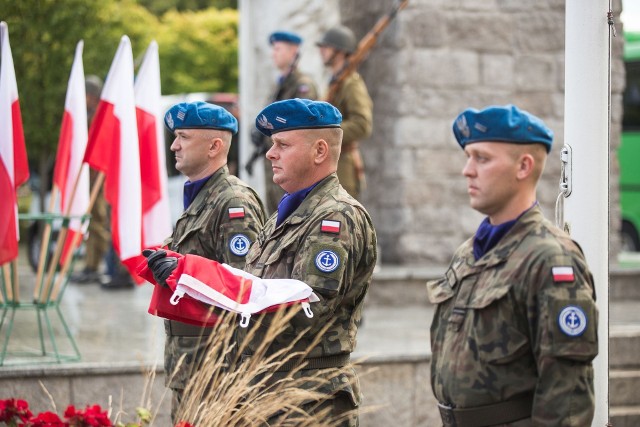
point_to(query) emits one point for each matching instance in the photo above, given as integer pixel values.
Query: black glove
(160, 264)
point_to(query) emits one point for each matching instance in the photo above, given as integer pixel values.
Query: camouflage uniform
(292, 250)
(295, 85)
(206, 229)
(354, 102)
(496, 334)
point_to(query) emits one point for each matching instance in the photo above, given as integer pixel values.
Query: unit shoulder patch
(572, 321)
(239, 245)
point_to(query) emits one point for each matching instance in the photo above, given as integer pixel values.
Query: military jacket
(296, 85)
(521, 319)
(330, 244)
(220, 224)
(356, 107)
(353, 101)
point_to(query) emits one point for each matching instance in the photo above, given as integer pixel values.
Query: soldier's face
(191, 148)
(491, 171)
(292, 160)
(283, 54)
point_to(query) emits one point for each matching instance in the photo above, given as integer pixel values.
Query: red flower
(92, 416)
(47, 419)
(12, 408)
(183, 424)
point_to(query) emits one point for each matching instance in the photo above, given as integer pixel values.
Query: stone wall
(436, 59)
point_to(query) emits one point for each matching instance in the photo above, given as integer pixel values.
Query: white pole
(249, 102)
(586, 116)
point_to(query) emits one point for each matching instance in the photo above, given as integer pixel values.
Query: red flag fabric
(200, 279)
(71, 147)
(113, 149)
(156, 214)
(14, 168)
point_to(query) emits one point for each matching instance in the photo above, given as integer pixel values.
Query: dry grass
(226, 391)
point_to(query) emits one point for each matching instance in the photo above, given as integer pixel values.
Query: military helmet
(340, 38)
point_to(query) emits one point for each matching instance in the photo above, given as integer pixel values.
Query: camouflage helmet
(340, 38)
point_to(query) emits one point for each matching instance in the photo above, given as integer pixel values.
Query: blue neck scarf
(290, 202)
(191, 190)
(487, 236)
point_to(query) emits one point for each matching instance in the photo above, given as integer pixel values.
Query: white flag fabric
(14, 168)
(113, 149)
(71, 148)
(156, 213)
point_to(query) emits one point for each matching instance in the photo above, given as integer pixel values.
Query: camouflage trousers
(340, 407)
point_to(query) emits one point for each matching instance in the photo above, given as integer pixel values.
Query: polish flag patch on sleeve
(330, 226)
(562, 274)
(236, 213)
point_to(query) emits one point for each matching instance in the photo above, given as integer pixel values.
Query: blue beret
(297, 113)
(501, 124)
(285, 36)
(199, 115)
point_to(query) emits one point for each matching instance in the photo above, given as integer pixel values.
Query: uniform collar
(305, 209)
(509, 242)
(204, 189)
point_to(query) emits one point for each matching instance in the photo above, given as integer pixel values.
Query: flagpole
(63, 232)
(16, 283)
(46, 235)
(77, 236)
(6, 274)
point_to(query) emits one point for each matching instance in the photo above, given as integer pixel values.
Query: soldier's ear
(321, 151)
(526, 165)
(215, 146)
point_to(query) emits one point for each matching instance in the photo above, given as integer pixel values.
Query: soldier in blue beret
(515, 328)
(222, 217)
(290, 83)
(321, 236)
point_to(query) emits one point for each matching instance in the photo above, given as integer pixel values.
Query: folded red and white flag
(231, 289)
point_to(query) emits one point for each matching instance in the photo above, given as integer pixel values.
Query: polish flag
(14, 169)
(562, 274)
(236, 213)
(113, 149)
(156, 214)
(71, 147)
(330, 226)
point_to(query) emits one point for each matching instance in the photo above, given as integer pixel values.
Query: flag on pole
(14, 168)
(156, 214)
(71, 147)
(113, 149)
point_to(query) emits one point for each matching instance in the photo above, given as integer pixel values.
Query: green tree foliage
(160, 7)
(198, 53)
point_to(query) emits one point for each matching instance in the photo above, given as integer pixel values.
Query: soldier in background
(292, 83)
(515, 328)
(354, 102)
(99, 238)
(222, 217)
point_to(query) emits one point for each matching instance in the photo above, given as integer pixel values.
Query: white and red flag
(113, 149)
(14, 168)
(156, 214)
(71, 148)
